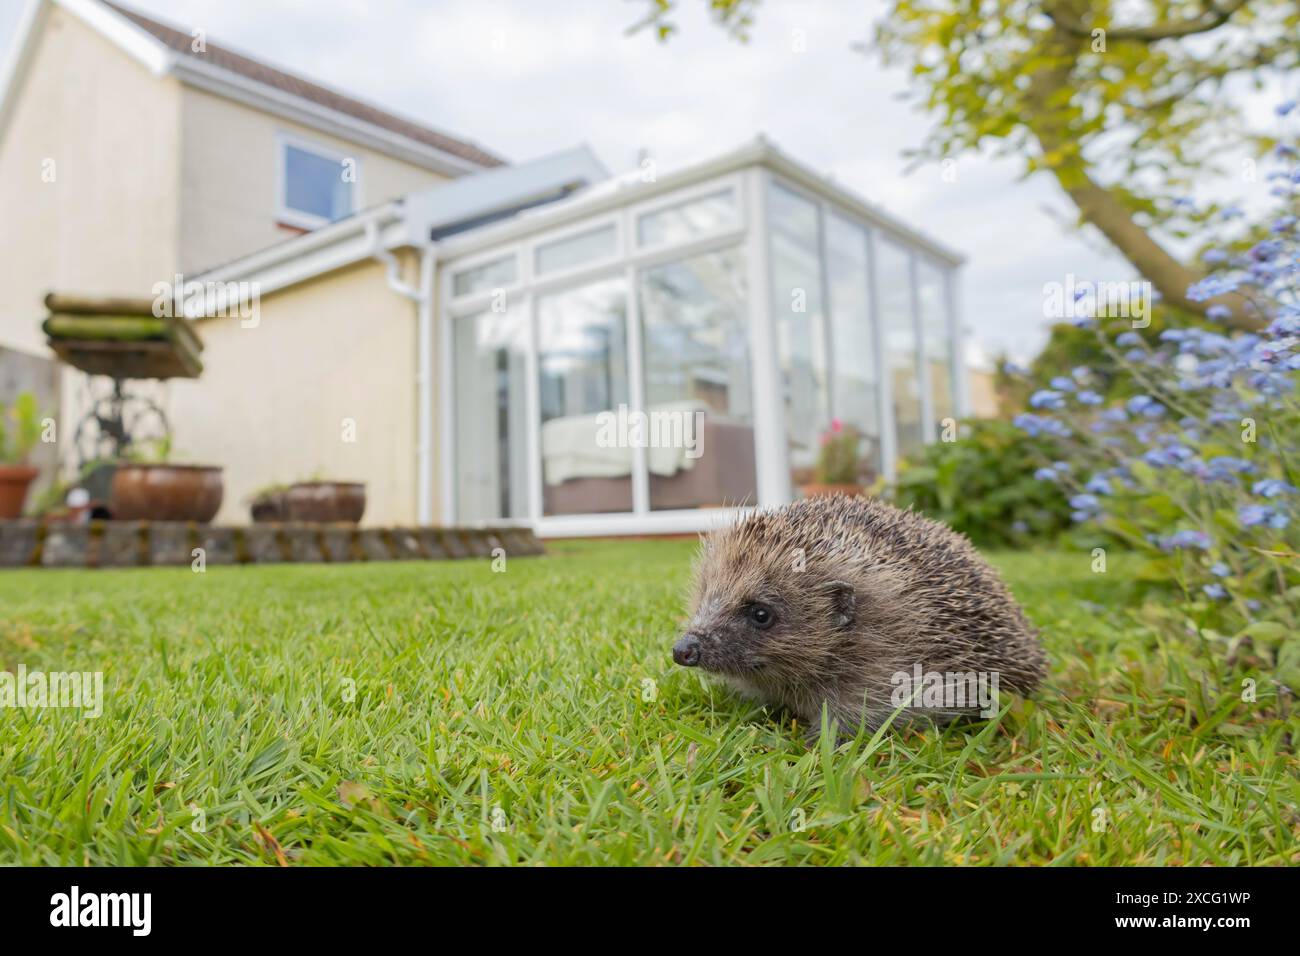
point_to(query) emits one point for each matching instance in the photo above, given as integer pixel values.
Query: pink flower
(836, 426)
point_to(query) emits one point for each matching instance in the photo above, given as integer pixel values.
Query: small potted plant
(326, 501)
(20, 430)
(269, 503)
(150, 488)
(837, 462)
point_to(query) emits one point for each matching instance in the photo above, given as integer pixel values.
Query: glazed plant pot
(166, 493)
(326, 501)
(14, 482)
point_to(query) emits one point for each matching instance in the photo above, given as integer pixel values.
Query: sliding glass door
(582, 371)
(491, 350)
(695, 348)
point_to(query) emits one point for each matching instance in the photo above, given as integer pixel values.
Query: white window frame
(582, 227)
(298, 218)
(732, 184)
(468, 301)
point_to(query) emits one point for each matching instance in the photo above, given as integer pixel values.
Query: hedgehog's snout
(687, 650)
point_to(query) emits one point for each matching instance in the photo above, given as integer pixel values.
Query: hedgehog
(848, 604)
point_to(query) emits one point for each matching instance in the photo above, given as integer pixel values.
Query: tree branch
(1211, 19)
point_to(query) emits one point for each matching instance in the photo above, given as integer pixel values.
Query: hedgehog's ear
(843, 601)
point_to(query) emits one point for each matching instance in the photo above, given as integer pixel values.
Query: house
(536, 342)
(131, 152)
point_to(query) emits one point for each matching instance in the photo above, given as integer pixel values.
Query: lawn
(443, 713)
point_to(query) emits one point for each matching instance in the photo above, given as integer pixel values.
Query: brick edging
(26, 542)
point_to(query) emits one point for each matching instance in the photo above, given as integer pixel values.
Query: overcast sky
(528, 77)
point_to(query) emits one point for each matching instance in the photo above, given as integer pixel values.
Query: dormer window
(316, 185)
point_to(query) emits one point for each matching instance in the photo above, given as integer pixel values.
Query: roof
(180, 41)
(412, 221)
(419, 217)
(169, 50)
(619, 191)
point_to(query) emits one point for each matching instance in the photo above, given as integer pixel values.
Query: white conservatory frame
(621, 202)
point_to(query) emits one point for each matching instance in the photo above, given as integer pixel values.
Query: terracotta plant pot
(326, 501)
(166, 493)
(14, 482)
(816, 489)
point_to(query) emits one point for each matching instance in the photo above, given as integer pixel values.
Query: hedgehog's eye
(761, 616)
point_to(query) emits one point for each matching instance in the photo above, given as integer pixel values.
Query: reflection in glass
(932, 292)
(854, 398)
(491, 350)
(592, 245)
(896, 314)
(800, 324)
(582, 371)
(695, 344)
(490, 275)
(685, 220)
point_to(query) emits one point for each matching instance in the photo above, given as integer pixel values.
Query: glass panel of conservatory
(688, 219)
(901, 358)
(491, 350)
(695, 344)
(855, 400)
(579, 249)
(937, 336)
(490, 275)
(582, 371)
(800, 324)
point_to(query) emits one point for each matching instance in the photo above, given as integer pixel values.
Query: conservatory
(757, 308)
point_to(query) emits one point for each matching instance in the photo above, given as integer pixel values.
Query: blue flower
(1046, 398)
(1062, 384)
(1125, 339)
(1186, 539)
(1046, 474)
(1089, 397)
(1145, 405)
(1212, 287)
(1097, 485)
(1085, 503)
(1215, 591)
(1218, 313)
(1220, 570)
(1254, 515)
(1286, 106)
(1272, 488)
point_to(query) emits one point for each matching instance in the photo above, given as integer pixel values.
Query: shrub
(1197, 468)
(983, 485)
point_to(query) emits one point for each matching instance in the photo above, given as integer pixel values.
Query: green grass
(527, 691)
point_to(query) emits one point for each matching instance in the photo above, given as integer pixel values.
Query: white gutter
(422, 296)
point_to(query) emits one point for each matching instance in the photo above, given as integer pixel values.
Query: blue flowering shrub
(1197, 468)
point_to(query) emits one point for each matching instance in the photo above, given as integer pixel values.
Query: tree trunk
(1099, 205)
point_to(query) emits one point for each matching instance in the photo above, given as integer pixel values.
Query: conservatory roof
(619, 191)
(517, 201)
